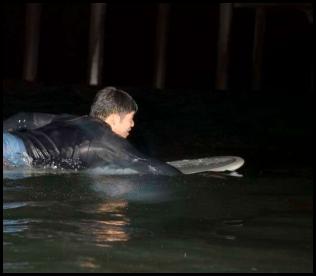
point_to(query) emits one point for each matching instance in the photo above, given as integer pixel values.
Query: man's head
(115, 107)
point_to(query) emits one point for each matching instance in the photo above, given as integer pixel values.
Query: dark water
(262, 222)
(199, 223)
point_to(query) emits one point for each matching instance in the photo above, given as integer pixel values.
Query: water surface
(128, 223)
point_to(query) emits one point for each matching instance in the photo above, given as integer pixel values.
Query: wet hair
(112, 100)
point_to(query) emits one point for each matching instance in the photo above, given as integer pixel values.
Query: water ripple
(14, 205)
(15, 226)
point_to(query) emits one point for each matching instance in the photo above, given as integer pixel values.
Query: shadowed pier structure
(97, 40)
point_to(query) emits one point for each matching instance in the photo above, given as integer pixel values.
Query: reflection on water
(15, 226)
(88, 262)
(113, 229)
(202, 223)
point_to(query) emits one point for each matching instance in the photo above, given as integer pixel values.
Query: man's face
(122, 124)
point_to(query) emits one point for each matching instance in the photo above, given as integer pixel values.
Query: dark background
(129, 46)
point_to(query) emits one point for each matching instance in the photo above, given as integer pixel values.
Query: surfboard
(212, 164)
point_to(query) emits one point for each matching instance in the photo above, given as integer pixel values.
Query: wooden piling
(32, 35)
(225, 19)
(96, 43)
(258, 47)
(161, 45)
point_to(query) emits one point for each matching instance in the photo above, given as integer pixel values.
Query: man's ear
(110, 119)
(116, 118)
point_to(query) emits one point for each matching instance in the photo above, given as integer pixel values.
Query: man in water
(41, 140)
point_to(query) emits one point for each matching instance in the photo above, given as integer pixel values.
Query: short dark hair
(111, 100)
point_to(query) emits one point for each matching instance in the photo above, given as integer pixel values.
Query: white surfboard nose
(213, 164)
(232, 163)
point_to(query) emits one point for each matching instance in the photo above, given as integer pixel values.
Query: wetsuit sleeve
(125, 155)
(154, 166)
(28, 120)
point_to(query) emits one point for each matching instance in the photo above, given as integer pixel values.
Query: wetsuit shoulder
(30, 120)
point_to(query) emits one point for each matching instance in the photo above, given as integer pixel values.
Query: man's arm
(154, 166)
(122, 154)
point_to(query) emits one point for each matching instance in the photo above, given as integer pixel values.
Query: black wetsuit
(70, 142)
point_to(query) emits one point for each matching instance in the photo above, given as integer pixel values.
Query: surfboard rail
(213, 164)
